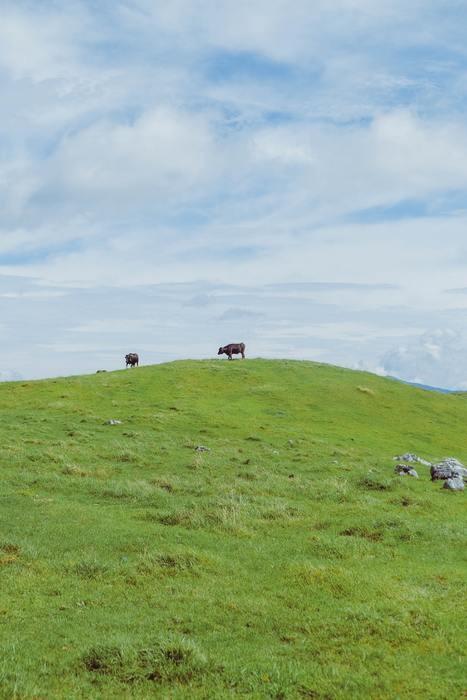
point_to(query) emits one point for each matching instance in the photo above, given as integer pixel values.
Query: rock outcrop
(448, 468)
(411, 457)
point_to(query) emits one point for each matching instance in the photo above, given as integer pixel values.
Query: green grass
(288, 561)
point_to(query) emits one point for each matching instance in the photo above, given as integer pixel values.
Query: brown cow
(232, 349)
(132, 359)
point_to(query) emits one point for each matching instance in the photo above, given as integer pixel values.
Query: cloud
(295, 172)
(436, 358)
(35, 44)
(236, 314)
(163, 153)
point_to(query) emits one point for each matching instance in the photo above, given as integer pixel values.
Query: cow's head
(220, 351)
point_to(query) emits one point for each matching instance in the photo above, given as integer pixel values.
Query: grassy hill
(288, 561)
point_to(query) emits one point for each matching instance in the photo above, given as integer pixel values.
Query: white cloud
(244, 144)
(113, 326)
(435, 358)
(277, 28)
(36, 46)
(164, 152)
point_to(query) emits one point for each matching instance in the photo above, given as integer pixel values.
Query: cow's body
(132, 359)
(232, 349)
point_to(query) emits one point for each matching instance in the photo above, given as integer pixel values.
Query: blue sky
(293, 175)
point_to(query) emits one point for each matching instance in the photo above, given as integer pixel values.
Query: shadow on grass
(177, 660)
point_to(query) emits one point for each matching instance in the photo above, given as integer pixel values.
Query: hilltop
(240, 532)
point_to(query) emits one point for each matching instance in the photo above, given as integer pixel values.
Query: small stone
(454, 484)
(202, 448)
(404, 469)
(113, 421)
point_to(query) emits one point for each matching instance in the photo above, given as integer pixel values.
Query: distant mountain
(440, 390)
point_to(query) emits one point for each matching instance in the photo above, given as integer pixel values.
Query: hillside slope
(285, 561)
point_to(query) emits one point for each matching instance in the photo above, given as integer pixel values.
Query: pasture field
(286, 561)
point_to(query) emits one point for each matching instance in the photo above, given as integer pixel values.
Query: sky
(181, 174)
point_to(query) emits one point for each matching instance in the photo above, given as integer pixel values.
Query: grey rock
(452, 461)
(455, 465)
(411, 457)
(202, 448)
(442, 471)
(113, 421)
(455, 484)
(448, 468)
(403, 470)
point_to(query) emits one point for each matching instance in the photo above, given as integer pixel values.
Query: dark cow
(232, 349)
(132, 359)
